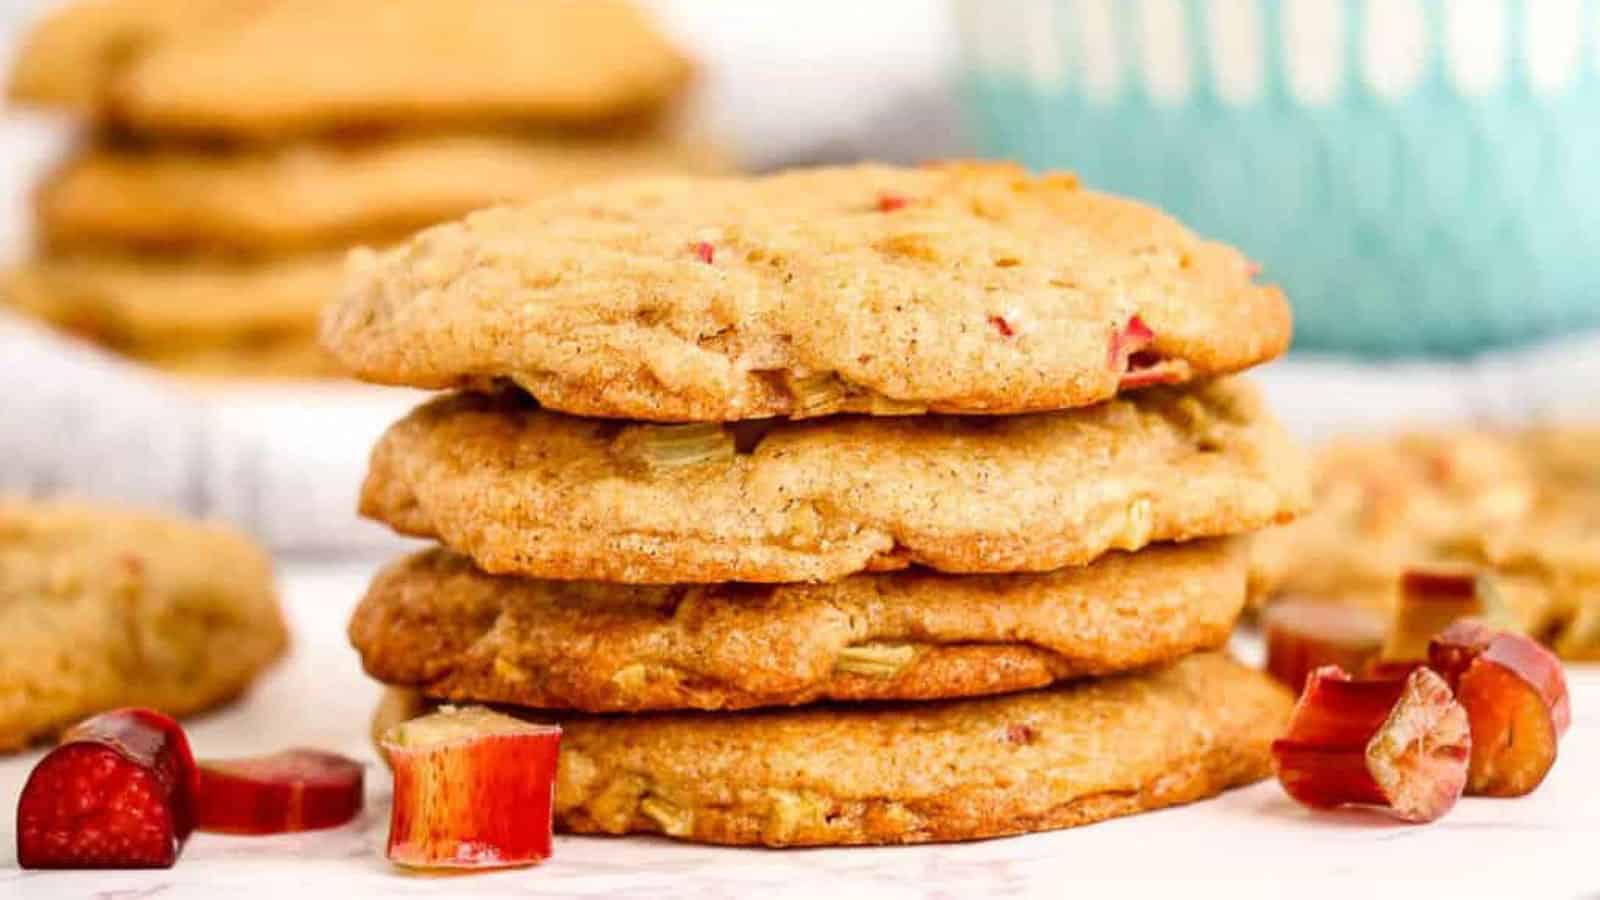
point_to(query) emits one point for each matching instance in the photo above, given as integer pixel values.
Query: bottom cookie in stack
(1187, 724)
(906, 773)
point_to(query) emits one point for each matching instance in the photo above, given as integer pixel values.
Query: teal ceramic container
(1422, 176)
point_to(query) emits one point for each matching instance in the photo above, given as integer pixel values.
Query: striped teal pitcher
(1423, 176)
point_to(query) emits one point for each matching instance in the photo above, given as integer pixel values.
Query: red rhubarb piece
(117, 793)
(705, 251)
(1001, 325)
(1399, 745)
(472, 789)
(891, 202)
(1129, 353)
(1305, 635)
(294, 790)
(1515, 694)
(1430, 600)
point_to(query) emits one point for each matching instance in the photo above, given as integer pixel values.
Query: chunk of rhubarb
(117, 793)
(472, 789)
(1517, 704)
(1401, 745)
(1130, 355)
(294, 790)
(1430, 600)
(1305, 635)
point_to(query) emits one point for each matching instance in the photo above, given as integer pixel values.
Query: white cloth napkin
(284, 462)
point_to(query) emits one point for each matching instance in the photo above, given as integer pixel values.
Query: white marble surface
(1251, 842)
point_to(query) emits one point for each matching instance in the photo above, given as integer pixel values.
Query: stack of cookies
(839, 506)
(237, 148)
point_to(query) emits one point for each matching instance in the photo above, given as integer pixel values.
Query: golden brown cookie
(1386, 503)
(917, 773)
(107, 607)
(526, 491)
(434, 622)
(292, 358)
(70, 58)
(317, 194)
(303, 66)
(1518, 506)
(147, 306)
(964, 288)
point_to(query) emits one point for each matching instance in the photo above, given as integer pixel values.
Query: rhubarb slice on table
(1430, 600)
(1515, 695)
(117, 793)
(294, 790)
(1304, 635)
(472, 789)
(1399, 745)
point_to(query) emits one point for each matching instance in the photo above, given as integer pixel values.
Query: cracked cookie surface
(108, 607)
(434, 622)
(959, 288)
(915, 773)
(526, 491)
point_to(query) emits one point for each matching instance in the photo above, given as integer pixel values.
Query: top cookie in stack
(1015, 403)
(239, 146)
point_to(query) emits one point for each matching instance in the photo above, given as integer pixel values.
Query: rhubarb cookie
(313, 194)
(293, 67)
(70, 59)
(107, 607)
(526, 491)
(435, 622)
(1388, 503)
(917, 773)
(962, 288)
(158, 310)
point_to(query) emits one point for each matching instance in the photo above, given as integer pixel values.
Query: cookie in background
(237, 148)
(1516, 507)
(106, 607)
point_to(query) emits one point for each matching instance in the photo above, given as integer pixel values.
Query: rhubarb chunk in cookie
(526, 491)
(961, 288)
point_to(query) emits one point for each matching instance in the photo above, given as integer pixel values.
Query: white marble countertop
(1247, 843)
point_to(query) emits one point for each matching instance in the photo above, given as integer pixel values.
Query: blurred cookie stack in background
(889, 505)
(235, 148)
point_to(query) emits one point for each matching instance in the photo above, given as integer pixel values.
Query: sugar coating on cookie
(105, 607)
(293, 67)
(435, 622)
(526, 491)
(916, 773)
(314, 194)
(964, 288)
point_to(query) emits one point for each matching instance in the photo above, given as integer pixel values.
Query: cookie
(310, 66)
(434, 622)
(319, 194)
(917, 773)
(1514, 506)
(70, 58)
(290, 358)
(963, 288)
(106, 607)
(526, 491)
(135, 304)
(1383, 504)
